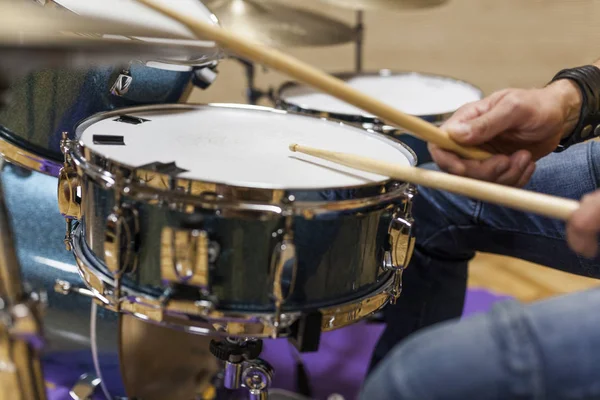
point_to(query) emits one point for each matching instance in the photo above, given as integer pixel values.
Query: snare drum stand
(243, 368)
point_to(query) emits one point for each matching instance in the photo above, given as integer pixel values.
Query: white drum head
(241, 146)
(133, 12)
(412, 93)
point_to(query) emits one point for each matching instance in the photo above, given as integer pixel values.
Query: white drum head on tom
(238, 146)
(131, 11)
(412, 93)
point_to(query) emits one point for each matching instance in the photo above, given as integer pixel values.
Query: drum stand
(360, 37)
(253, 94)
(243, 368)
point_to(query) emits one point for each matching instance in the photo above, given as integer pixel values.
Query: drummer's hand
(584, 225)
(518, 125)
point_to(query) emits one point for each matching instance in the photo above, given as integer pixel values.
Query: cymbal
(279, 25)
(391, 5)
(32, 37)
(19, 16)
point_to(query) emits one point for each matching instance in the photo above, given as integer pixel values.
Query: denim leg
(450, 229)
(547, 350)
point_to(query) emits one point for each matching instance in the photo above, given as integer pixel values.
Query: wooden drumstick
(519, 199)
(314, 77)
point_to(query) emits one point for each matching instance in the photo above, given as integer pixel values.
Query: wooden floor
(492, 44)
(525, 281)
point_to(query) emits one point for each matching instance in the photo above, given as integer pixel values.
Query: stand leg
(253, 95)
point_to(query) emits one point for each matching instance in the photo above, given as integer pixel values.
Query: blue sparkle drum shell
(48, 102)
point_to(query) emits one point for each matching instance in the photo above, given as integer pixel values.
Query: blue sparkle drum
(191, 216)
(48, 102)
(431, 97)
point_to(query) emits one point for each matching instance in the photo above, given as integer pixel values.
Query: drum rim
(281, 103)
(254, 324)
(278, 198)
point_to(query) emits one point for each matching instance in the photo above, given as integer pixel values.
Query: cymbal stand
(253, 94)
(360, 36)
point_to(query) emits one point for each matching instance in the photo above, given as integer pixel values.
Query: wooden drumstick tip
(293, 147)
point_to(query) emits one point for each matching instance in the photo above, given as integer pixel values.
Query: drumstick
(325, 82)
(519, 199)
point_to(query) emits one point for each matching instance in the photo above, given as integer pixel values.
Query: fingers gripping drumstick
(519, 199)
(325, 82)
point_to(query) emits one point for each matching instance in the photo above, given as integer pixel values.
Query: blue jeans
(545, 350)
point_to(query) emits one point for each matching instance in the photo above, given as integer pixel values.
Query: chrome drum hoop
(192, 316)
(366, 122)
(188, 193)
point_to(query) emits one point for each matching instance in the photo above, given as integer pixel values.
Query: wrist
(568, 95)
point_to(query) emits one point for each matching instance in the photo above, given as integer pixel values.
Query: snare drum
(46, 103)
(431, 97)
(200, 214)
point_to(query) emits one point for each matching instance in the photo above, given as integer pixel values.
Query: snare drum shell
(339, 254)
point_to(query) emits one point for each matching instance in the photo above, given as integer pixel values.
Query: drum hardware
(69, 202)
(402, 242)
(85, 387)
(203, 77)
(187, 256)
(284, 265)
(243, 368)
(253, 94)
(121, 82)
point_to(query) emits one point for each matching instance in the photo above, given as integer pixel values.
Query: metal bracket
(120, 240)
(401, 241)
(284, 266)
(186, 256)
(69, 203)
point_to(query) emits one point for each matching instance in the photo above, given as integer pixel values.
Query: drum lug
(186, 257)
(284, 266)
(69, 202)
(401, 241)
(121, 240)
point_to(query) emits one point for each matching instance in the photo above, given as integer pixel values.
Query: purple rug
(338, 367)
(343, 358)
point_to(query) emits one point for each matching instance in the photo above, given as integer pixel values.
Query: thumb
(485, 127)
